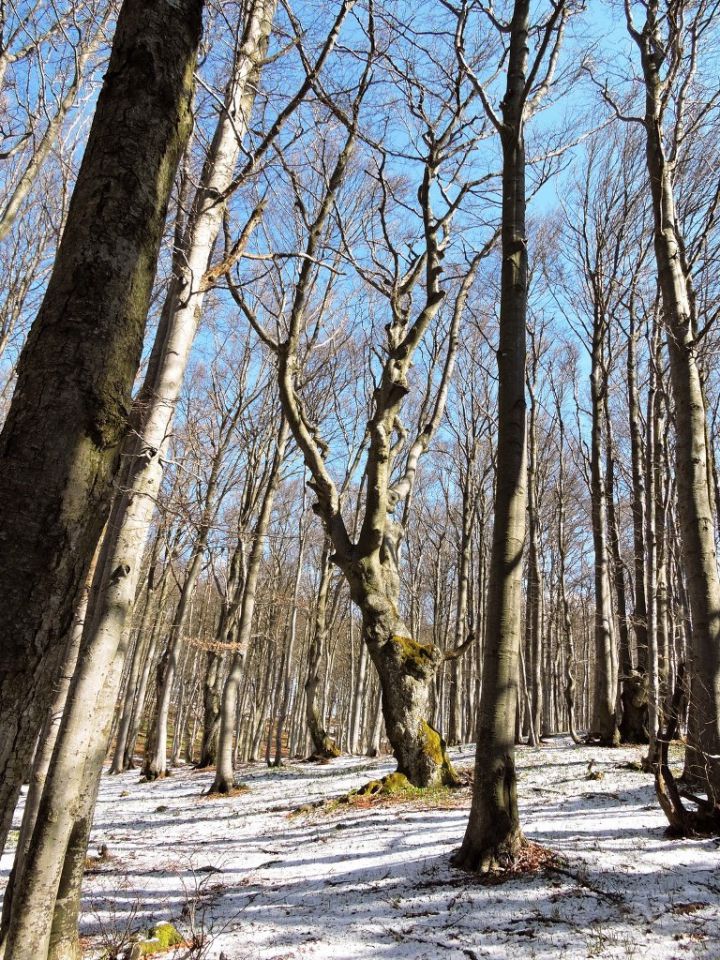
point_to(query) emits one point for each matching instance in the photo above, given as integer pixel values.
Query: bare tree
(493, 835)
(670, 38)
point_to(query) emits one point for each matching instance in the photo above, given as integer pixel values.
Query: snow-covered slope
(376, 882)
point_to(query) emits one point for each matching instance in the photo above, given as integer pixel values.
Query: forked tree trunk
(60, 443)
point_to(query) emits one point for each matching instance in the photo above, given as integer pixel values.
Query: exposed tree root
(391, 789)
(505, 862)
(704, 820)
(236, 791)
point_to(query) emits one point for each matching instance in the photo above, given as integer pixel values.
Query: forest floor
(253, 879)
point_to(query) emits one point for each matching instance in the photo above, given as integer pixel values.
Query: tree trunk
(324, 747)
(406, 668)
(694, 498)
(653, 681)
(493, 835)
(605, 723)
(633, 697)
(43, 756)
(60, 444)
(461, 611)
(358, 693)
(139, 657)
(286, 673)
(212, 690)
(155, 765)
(225, 771)
(533, 625)
(633, 725)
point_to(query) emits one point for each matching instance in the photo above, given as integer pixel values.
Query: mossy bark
(406, 670)
(60, 444)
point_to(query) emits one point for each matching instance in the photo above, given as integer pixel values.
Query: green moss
(396, 783)
(161, 937)
(434, 747)
(432, 743)
(370, 789)
(416, 657)
(391, 785)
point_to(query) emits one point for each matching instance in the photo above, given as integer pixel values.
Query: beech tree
(670, 39)
(410, 291)
(493, 835)
(60, 443)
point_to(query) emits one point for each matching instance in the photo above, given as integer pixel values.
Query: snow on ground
(263, 884)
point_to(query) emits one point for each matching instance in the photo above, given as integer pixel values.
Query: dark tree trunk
(212, 693)
(493, 835)
(324, 747)
(59, 447)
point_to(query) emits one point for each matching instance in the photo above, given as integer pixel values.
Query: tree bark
(455, 725)
(60, 444)
(286, 671)
(212, 690)
(225, 770)
(533, 625)
(493, 836)
(605, 721)
(633, 724)
(324, 747)
(694, 495)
